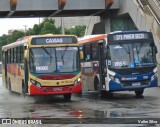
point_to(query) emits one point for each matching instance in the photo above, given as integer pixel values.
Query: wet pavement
(87, 109)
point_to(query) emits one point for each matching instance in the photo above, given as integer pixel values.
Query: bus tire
(103, 94)
(139, 93)
(96, 83)
(107, 94)
(9, 86)
(67, 97)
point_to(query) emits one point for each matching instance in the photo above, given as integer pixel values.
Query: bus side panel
(15, 75)
(20, 77)
(3, 77)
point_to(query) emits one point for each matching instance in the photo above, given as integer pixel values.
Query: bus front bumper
(56, 90)
(114, 86)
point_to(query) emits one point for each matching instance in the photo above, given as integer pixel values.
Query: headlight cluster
(113, 78)
(77, 81)
(35, 83)
(154, 76)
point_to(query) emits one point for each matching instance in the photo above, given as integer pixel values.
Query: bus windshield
(54, 59)
(131, 55)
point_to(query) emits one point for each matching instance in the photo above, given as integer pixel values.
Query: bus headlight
(77, 81)
(35, 83)
(154, 76)
(38, 84)
(117, 80)
(113, 78)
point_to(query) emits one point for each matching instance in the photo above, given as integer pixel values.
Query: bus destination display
(53, 40)
(130, 36)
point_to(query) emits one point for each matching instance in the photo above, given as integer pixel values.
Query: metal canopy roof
(53, 8)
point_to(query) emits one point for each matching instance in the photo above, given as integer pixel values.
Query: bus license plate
(136, 84)
(57, 89)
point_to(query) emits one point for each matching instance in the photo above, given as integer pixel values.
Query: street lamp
(62, 26)
(25, 28)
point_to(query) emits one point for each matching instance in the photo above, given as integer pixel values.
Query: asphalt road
(88, 109)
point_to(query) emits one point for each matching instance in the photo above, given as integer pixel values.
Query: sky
(17, 23)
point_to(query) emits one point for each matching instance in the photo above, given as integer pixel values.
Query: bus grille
(131, 71)
(142, 83)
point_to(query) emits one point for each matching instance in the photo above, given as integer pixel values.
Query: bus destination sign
(132, 36)
(53, 40)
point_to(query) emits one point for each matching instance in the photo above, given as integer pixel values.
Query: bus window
(18, 54)
(87, 52)
(8, 60)
(22, 54)
(0, 67)
(12, 56)
(94, 51)
(15, 55)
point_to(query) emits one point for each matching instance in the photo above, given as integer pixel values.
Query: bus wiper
(126, 49)
(62, 56)
(46, 51)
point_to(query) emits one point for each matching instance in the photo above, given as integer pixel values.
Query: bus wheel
(103, 94)
(139, 93)
(67, 97)
(96, 82)
(107, 94)
(9, 86)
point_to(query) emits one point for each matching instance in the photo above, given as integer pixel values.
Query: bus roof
(89, 38)
(24, 40)
(19, 42)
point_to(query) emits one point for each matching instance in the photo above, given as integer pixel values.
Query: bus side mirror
(81, 55)
(26, 56)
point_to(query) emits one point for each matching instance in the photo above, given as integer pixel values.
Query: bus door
(102, 65)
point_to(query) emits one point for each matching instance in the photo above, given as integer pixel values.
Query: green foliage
(46, 27)
(7, 39)
(77, 30)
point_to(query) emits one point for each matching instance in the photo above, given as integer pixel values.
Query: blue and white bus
(119, 61)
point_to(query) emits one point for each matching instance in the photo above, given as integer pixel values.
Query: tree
(7, 39)
(77, 30)
(16, 35)
(49, 28)
(46, 27)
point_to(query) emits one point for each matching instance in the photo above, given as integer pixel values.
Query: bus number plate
(57, 89)
(136, 84)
